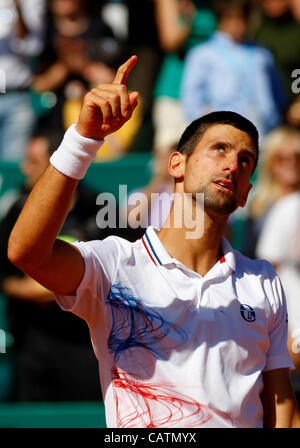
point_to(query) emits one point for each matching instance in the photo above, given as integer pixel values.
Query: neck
(199, 249)
(288, 189)
(230, 33)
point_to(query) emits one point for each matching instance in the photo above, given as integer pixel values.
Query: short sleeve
(277, 355)
(101, 260)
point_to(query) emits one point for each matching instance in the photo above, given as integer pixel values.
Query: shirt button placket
(199, 283)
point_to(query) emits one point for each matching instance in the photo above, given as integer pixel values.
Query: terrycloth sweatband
(75, 154)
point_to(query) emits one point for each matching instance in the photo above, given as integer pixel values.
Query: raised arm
(33, 245)
(174, 21)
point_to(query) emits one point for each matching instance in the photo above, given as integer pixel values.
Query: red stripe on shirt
(148, 251)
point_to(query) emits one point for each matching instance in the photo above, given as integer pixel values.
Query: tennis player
(188, 332)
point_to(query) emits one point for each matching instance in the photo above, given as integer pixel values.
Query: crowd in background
(195, 56)
(53, 51)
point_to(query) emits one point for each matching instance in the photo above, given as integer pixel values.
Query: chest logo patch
(247, 313)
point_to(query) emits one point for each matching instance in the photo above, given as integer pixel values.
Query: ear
(244, 199)
(176, 165)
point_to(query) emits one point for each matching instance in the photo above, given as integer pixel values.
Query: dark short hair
(195, 130)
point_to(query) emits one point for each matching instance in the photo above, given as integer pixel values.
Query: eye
(219, 148)
(245, 160)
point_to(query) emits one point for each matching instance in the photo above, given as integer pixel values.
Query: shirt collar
(160, 256)
(228, 255)
(156, 250)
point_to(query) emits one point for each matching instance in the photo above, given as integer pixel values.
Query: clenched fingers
(114, 102)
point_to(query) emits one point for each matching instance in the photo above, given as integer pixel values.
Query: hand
(187, 9)
(107, 107)
(72, 53)
(98, 73)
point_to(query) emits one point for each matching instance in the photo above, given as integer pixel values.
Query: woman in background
(278, 176)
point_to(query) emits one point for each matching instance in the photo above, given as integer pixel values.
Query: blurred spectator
(293, 114)
(144, 42)
(21, 39)
(44, 336)
(81, 52)
(279, 30)
(278, 175)
(181, 25)
(295, 8)
(116, 14)
(225, 73)
(279, 243)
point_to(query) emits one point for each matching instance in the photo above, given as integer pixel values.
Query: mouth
(225, 185)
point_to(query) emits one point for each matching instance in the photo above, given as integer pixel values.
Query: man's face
(64, 8)
(285, 164)
(221, 167)
(235, 24)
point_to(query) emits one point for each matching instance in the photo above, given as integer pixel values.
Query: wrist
(83, 131)
(75, 153)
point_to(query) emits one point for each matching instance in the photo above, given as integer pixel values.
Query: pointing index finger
(124, 70)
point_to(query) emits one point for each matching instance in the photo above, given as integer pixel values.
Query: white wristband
(75, 154)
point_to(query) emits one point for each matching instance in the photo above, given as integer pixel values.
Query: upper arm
(278, 400)
(63, 269)
(173, 30)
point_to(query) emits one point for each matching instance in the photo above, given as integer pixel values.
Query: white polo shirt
(176, 349)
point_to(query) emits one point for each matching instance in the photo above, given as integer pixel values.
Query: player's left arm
(278, 400)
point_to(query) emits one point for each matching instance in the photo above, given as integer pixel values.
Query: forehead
(225, 133)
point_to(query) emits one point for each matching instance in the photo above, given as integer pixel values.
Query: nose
(231, 165)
